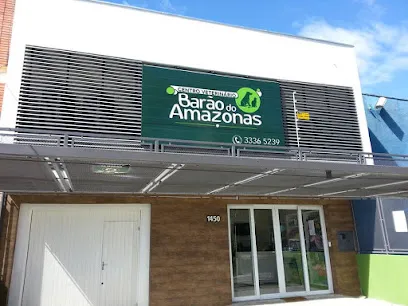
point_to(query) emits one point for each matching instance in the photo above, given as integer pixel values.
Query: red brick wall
(6, 24)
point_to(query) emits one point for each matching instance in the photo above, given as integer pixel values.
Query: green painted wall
(384, 277)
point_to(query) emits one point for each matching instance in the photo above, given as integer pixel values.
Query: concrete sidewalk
(332, 300)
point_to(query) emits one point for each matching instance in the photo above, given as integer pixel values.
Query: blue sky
(378, 29)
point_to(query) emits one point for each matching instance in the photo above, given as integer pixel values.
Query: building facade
(6, 23)
(383, 250)
(387, 127)
(151, 159)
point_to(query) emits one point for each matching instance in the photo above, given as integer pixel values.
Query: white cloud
(370, 9)
(137, 3)
(367, 2)
(382, 50)
(167, 5)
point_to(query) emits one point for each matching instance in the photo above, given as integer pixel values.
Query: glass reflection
(291, 250)
(241, 248)
(316, 261)
(265, 244)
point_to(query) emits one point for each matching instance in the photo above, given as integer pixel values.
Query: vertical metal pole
(296, 119)
(303, 250)
(379, 208)
(280, 266)
(65, 140)
(254, 253)
(231, 248)
(326, 249)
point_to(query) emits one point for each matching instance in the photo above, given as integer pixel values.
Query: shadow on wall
(52, 276)
(378, 147)
(3, 294)
(363, 264)
(365, 215)
(394, 127)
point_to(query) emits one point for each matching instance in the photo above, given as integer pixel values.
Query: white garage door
(82, 257)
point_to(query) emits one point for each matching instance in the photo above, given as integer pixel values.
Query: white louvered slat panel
(71, 91)
(333, 117)
(83, 75)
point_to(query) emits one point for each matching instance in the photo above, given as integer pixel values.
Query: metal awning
(71, 163)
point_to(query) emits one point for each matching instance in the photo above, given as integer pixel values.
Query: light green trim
(384, 277)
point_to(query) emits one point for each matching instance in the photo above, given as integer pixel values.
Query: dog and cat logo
(248, 99)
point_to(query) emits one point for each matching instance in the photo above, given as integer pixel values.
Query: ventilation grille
(70, 91)
(78, 92)
(333, 123)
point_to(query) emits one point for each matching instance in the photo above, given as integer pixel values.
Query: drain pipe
(296, 119)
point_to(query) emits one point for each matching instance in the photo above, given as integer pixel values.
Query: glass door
(266, 252)
(278, 251)
(242, 264)
(315, 250)
(291, 250)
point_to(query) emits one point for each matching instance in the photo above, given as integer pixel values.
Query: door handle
(104, 265)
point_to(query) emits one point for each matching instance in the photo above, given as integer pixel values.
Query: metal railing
(97, 141)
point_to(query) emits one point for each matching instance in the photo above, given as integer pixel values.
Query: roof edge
(327, 42)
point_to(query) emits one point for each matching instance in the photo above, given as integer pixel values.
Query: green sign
(179, 104)
(110, 169)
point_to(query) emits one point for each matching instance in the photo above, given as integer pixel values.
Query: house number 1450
(213, 219)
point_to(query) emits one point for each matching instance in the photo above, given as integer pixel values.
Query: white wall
(148, 36)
